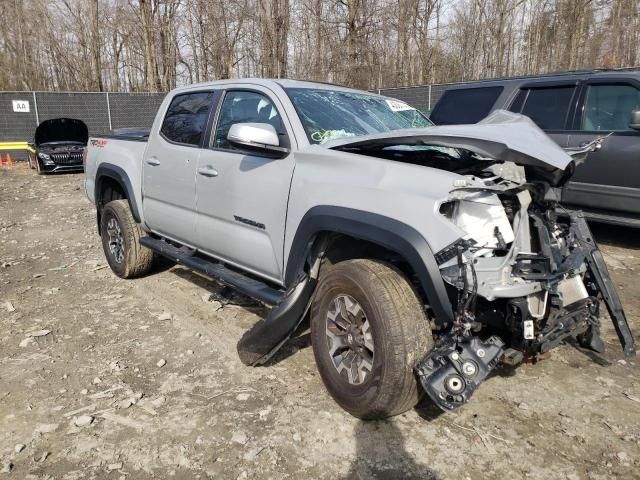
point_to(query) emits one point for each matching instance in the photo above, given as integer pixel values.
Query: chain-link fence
(102, 112)
(422, 97)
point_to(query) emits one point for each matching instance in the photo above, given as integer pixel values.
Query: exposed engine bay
(523, 279)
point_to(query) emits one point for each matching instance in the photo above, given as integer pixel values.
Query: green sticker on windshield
(325, 136)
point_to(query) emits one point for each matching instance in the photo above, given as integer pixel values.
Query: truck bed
(130, 134)
(123, 151)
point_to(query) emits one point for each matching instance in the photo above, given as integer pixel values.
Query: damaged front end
(522, 279)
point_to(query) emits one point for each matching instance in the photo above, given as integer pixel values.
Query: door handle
(153, 161)
(207, 171)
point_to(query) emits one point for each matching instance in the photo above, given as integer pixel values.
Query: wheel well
(369, 235)
(109, 189)
(341, 247)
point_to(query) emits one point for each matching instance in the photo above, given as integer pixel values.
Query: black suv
(572, 108)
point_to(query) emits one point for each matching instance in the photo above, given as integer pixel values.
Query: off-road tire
(401, 337)
(137, 260)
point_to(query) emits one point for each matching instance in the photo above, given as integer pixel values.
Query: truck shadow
(300, 340)
(597, 358)
(220, 293)
(427, 410)
(616, 236)
(161, 264)
(381, 454)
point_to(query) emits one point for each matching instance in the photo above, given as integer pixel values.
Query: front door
(169, 167)
(609, 179)
(242, 196)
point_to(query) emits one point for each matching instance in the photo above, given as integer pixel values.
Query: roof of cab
(271, 82)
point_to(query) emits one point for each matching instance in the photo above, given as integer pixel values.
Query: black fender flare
(119, 175)
(378, 229)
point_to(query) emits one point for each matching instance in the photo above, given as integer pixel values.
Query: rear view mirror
(635, 120)
(255, 136)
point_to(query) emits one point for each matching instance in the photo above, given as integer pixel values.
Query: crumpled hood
(61, 130)
(503, 135)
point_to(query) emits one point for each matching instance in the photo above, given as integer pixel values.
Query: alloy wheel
(349, 339)
(116, 240)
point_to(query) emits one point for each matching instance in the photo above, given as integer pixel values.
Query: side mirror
(255, 136)
(635, 120)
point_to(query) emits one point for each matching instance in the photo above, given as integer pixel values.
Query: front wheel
(121, 241)
(369, 330)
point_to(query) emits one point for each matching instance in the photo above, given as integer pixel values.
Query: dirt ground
(108, 378)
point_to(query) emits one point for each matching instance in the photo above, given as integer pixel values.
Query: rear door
(243, 195)
(550, 105)
(610, 178)
(169, 167)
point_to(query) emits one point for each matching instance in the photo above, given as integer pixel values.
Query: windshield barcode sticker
(398, 106)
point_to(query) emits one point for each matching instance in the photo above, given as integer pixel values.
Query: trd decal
(99, 142)
(247, 221)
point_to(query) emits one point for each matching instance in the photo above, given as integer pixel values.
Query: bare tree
(154, 45)
(274, 30)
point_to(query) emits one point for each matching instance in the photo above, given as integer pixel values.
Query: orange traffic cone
(9, 160)
(1, 161)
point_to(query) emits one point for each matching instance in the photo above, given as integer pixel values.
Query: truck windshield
(329, 114)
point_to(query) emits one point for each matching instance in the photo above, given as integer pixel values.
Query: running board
(251, 287)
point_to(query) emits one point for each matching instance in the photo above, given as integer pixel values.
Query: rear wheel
(121, 241)
(368, 330)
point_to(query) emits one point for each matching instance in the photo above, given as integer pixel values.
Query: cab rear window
(465, 105)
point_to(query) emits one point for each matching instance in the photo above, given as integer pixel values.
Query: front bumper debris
(602, 279)
(575, 283)
(452, 371)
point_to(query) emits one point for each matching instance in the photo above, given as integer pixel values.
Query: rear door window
(465, 105)
(186, 118)
(548, 107)
(608, 107)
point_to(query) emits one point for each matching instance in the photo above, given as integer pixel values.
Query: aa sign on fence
(21, 106)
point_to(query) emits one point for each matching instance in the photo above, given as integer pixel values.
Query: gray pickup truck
(422, 256)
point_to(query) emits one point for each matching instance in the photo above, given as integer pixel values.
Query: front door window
(608, 107)
(244, 107)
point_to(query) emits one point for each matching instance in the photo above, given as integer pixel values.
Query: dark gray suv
(573, 109)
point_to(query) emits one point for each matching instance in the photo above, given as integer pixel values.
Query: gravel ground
(108, 378)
